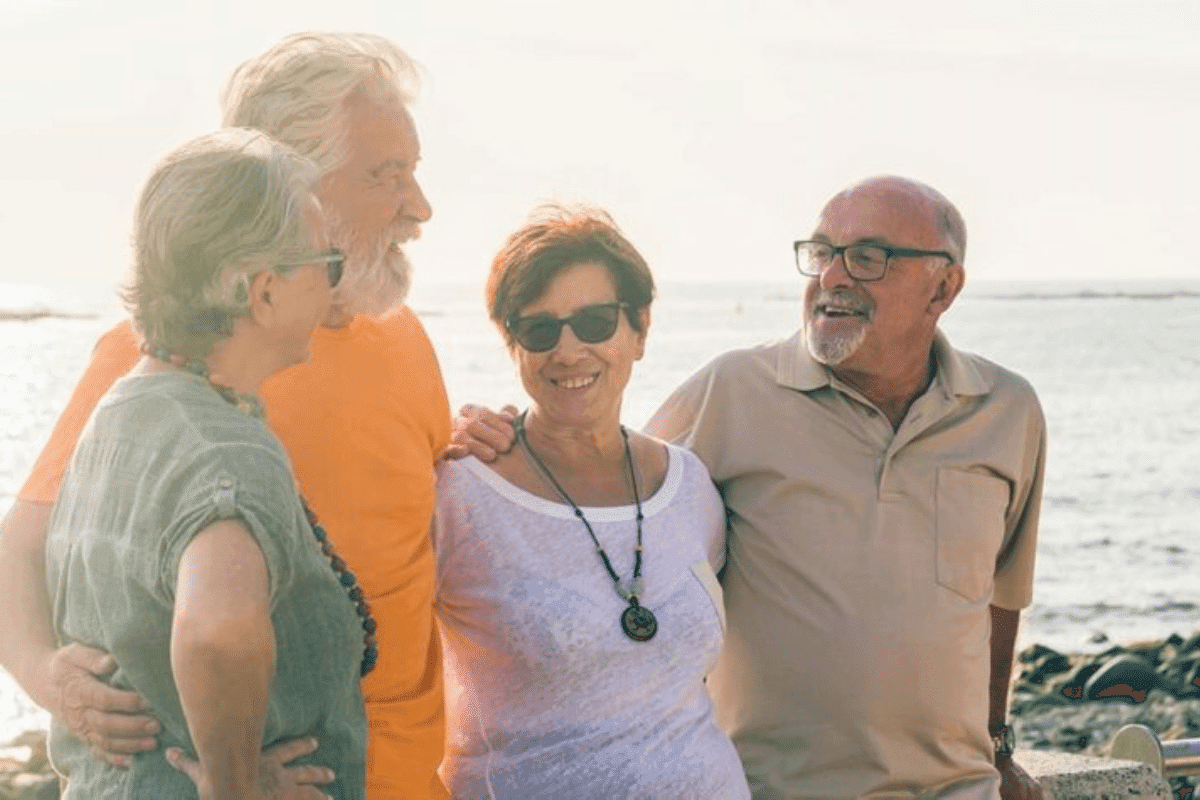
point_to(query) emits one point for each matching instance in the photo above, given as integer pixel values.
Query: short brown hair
(554, 239)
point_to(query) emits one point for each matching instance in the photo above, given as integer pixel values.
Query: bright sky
(1068, 131)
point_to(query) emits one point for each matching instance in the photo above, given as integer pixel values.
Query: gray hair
(951, 220)
(215, 211)
(296, 90)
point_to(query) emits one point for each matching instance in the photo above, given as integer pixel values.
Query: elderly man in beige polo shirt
(883, 492)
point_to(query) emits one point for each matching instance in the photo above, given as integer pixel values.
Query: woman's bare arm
(223, 656)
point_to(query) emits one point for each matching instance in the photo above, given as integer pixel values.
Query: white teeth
(574, 383)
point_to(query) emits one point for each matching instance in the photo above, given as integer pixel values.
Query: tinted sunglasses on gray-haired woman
(333, 259)
(538, 333)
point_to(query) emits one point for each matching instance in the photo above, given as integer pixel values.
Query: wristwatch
(1003, 739)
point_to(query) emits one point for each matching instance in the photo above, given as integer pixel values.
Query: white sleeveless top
(546, 696)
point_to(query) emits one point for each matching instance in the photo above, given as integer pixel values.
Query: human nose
(835, 274)
(415, 205)
(569, 346)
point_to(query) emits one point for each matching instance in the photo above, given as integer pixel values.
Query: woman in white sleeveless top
(577, 592)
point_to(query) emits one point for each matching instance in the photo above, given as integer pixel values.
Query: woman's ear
(262, 285)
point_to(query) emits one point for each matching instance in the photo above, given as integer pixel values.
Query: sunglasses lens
(537, 334)
(595, 324)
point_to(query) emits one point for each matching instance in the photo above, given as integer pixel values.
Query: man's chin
(830, 356)
(831, 350)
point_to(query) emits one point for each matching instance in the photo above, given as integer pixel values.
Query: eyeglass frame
(840, 250)
(569, 320)
(334, 260)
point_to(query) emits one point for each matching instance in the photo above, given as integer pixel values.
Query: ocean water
(1117, 368)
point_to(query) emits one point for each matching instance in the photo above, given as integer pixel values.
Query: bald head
(915, 200)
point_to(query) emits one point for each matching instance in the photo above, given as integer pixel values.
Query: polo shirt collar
(795, 368)
(956, 374)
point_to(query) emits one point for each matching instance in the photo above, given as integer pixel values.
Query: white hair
(215, 210)
(381, 275)
(296, 91)
(833, 350)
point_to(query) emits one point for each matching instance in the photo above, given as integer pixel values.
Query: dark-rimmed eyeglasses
(864, 262)
(333, 259)
(591, 324)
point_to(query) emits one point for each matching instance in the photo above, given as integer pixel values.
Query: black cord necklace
(637, 621)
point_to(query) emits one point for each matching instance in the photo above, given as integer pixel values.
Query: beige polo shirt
(862, 562)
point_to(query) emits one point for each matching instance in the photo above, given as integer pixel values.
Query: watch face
(1003, 739)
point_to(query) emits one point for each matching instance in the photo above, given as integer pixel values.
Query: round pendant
(639, 623)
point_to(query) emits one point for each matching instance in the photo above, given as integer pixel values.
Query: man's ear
(947, 288)
(262, 306)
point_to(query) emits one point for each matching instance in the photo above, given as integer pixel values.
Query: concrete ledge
(1070, 776)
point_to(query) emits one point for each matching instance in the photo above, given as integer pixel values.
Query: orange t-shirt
(364, 421)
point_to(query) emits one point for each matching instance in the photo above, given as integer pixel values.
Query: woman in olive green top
(178, 542)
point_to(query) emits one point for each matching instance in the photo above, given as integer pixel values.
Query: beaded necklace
(637, 621)
(251, 406)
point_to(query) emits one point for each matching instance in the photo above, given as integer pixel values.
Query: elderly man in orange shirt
(364, 420)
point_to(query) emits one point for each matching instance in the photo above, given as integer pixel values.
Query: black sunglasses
(333, 259)
(590, 324)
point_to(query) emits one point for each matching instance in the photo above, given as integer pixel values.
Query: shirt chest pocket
(971, 510)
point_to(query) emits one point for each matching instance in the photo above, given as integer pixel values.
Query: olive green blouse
(163, 457)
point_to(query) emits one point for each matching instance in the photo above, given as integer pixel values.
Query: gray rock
(1127, 676)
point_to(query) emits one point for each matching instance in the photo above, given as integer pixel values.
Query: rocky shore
(1059, 701)
(1077, 703)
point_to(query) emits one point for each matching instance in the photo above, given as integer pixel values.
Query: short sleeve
(243, 482)
(700, 416)
(1015, 564)
(436, 404)
(675, 420)
(115, 353)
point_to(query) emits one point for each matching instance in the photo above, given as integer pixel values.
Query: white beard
(378, 273)
(833, 350)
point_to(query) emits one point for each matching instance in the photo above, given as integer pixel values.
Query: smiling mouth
(838, 305)
(574, 383)
(837, 311)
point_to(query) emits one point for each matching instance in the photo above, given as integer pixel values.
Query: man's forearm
(1003, 643)
(1015, 782)
(29, 641)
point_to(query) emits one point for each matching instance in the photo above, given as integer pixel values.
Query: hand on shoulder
(481, 432)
